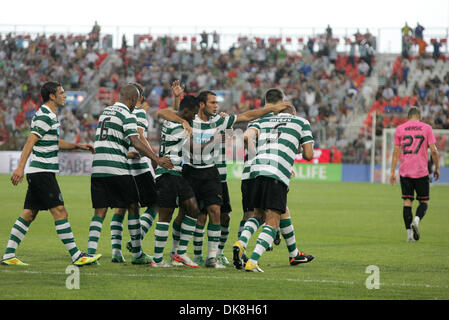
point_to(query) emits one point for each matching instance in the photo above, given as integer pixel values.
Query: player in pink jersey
(411, 141)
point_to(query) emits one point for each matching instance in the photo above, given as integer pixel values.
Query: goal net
(442, 143)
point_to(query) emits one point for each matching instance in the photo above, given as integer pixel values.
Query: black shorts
(226, 206)
(410, 185)
(269, 193)
(172, 190)
(246, 188)
(147, 189)
(206, 185)
(113, 192)
(43, 191)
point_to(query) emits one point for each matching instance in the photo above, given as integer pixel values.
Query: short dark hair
(202, 96)
(414, 111)
(138, 86)
(274, 95)
(48, 88)
(189, 102)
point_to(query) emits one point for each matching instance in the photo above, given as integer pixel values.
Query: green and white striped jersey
(115, 126)
(278, 142)
(247, 162)
(173, 137)
(44, 157)
(140, 166)
(203, 132)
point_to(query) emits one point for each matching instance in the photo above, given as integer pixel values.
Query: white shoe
(213, 263)
(162, 264)
(415, 229)
(184, 259)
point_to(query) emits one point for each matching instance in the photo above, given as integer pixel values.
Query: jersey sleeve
(142, 121)
(431, 136)
(306, 133)
(130, 126)
(397, 138)
(41, 125)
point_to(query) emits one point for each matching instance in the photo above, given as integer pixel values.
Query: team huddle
(190, 174)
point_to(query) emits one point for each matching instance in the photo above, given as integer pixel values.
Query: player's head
(274, 95)
(129, 96)
(208, 102)
(53, 92)
(188, 107)
(414, 113)
(140, 88)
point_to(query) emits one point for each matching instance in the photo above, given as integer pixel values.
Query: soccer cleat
(251, 266)
(85, 259)
(161, 264)
(199, 260)
(143, 259)
(415, 229)
(411, 240)
(237, 254)
(173, 261)
(13, 262)
(277, 240)
(222, 259)
(213, 263)
(185, 260)
(301, 258)
(118, 258)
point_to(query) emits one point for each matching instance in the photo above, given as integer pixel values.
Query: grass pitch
(347, 226)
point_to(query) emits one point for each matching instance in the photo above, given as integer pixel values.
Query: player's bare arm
(18, 174)
(255, 114)
(436, 161)
(65, 145)
(394, 162)
(172, 116)
(144, 150)
(307, 151)
(177, 90)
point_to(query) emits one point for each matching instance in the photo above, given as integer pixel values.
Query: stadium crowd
(322, 83)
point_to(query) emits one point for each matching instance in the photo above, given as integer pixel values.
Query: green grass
(347, 226)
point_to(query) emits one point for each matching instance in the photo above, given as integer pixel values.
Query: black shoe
(301, 258)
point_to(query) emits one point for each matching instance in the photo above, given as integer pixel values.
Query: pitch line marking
(91, 274)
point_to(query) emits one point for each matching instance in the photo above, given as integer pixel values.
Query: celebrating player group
(189, 174)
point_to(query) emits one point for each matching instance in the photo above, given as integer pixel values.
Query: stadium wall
(80, 163)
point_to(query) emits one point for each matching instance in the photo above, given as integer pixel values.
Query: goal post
(442, 144)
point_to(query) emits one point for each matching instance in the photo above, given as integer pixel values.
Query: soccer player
(173, 189)
(411, 141)
(141, 171)
(250, 222)
(112, 185)
(43, 192)
(201, 172)
(279, 139)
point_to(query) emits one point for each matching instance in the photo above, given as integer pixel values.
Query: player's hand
(133, 155)
(436, 174)
(187, 128)
(293, 174)
(223, 114)
(17, 176)
(392, 179)
(177, 89)
(87, 147)
(165, 162)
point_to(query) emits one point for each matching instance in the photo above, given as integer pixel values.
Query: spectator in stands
(419, 30)
(204, 43)
(436, 49)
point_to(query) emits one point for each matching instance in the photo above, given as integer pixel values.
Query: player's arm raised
(172, 116)
(177, 90)
(255, 114)
(18, 174)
